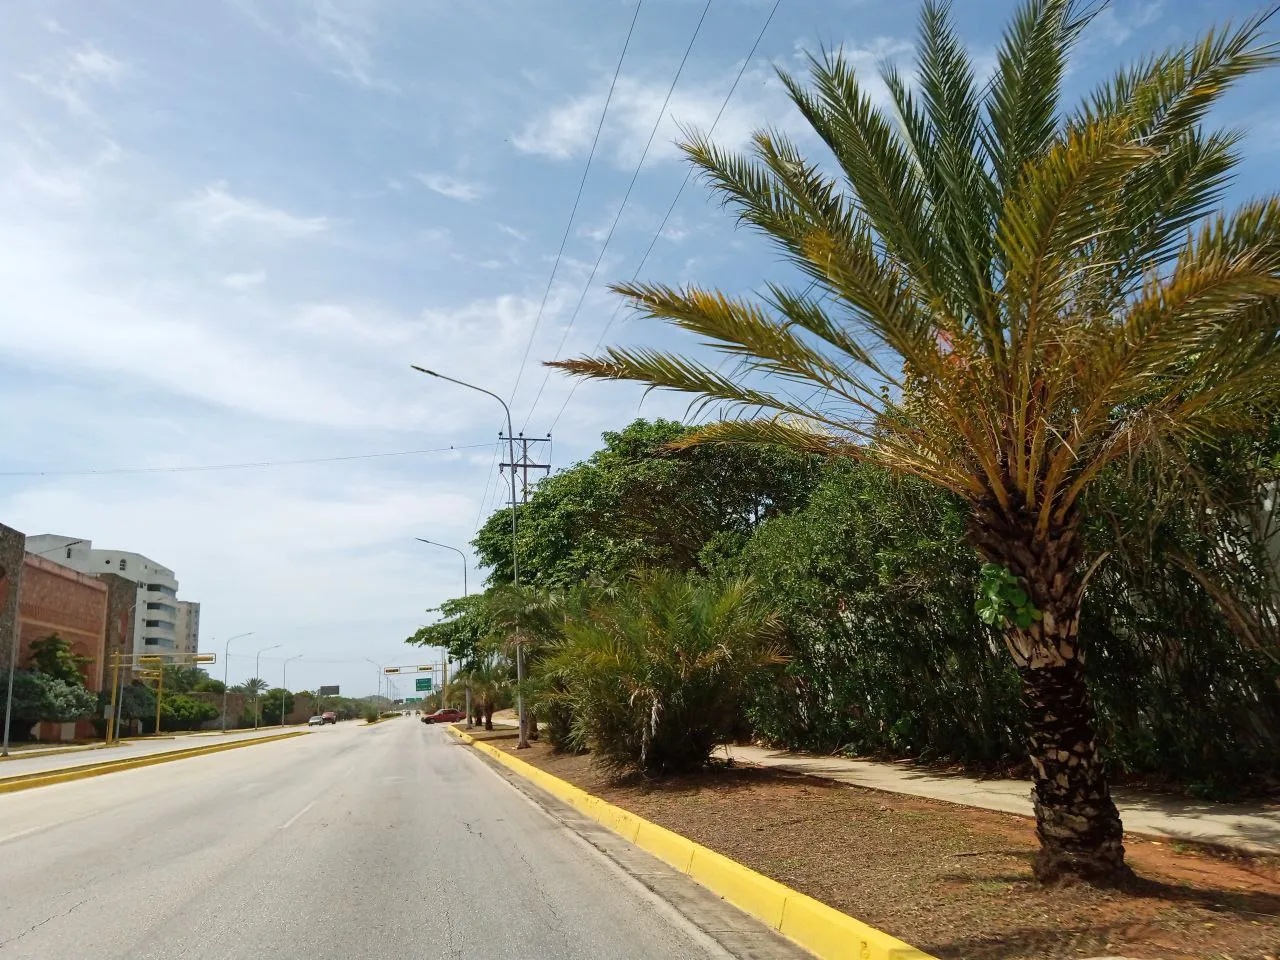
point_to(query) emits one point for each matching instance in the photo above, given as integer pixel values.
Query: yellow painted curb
(823, 931)
(29, 781)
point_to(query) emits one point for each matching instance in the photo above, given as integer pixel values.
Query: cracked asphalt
(349, 842)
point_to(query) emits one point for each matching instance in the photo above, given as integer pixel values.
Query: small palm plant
(1006, 297)
(653, 676)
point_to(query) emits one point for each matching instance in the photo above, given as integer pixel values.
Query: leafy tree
(37, 697)
(183, 712)
(1007, 298)
(654, 676)
(489, 677)
(207, 684)
(53, 656)
(271, 703)
(637, 503)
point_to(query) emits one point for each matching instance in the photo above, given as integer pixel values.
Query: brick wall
(122, 594)
(12, 550)
(57, 599)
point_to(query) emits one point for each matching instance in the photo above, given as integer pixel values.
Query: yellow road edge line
(822, 930)
(30, 781)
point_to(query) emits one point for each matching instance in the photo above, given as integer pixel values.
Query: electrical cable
(676, 199)
(574, 210)
(657, 123)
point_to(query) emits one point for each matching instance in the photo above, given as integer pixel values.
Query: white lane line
(294, 819)
(30, 830)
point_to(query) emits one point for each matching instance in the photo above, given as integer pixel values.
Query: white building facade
(155, 628)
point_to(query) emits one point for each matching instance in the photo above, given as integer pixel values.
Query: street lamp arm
(472, 386)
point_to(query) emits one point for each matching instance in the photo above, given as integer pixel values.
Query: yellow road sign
(206, 658)
(390, 669)
(426, 668)
(150, 658)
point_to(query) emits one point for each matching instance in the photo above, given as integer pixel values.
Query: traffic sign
(426, 669)
(390, 669)
(422, 683)
(206, 658)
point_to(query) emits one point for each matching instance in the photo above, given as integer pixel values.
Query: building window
(123, 565)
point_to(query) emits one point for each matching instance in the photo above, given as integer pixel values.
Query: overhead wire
(644, 154)
(676, 199)
(555, 266)
(487, 483)
(251, 465)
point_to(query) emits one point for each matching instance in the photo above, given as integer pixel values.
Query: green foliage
(654, 676)
(37, 697)
(886, 656)
(52, 656)
(182, 712)
(271, 703)
(636, 503)
(207, 684)
(370, 714)
(1001, 598)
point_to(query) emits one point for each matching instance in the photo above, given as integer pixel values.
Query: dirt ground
(953, 881)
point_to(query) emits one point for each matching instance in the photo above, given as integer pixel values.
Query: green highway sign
(422, 683)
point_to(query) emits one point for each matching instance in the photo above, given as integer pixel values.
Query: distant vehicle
(448, 715)
(316, 721)
(329, 717)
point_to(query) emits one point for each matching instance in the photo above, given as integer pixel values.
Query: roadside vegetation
(1024, 407)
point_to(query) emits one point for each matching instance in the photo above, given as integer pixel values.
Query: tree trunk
(488, 717)
(1076, 821)
(1079, 829)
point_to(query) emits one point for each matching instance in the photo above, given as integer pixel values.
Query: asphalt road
(351, 842)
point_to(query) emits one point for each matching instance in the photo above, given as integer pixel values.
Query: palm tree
(487, 677)
(1005, 299)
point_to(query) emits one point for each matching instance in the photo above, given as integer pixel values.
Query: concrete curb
(32, 780)
(823, 931)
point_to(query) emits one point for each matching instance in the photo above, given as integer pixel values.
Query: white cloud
(513, 232)
(246, 280)
(215, 209)
(1117, 23)
(344, 38)
(75, 74)
(451, 187)
(759, 101)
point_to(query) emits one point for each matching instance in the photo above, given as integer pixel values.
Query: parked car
(448, 715)
(316, 721)
(329, 717)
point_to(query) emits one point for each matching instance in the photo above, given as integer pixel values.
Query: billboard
(327, 691)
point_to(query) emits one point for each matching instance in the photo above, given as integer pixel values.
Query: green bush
(181, 712)
(653, 676)
(38, 696)
(370, 714)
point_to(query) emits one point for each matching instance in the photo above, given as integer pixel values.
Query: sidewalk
(19, 766)
(1246, 826)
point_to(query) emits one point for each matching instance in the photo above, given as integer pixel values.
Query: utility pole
(524, 462)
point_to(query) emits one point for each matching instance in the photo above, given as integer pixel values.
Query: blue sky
(228, 228)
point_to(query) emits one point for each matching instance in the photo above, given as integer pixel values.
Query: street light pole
(523, 742)
(226, 651)
(284, 684)
(465, 593)
(257, 697)
(379, 666)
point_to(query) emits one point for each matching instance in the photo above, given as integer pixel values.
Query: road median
(813, 925)
(48, 777)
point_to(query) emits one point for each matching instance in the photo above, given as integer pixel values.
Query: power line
(662, 111)
(676, 199)
(115, 471)
(488, 480)
(577, 198)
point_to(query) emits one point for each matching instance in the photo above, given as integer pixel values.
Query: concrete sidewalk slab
(1254, 827)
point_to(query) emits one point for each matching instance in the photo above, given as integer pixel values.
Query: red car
(448, 715)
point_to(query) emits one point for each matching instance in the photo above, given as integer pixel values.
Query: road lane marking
(294, 819)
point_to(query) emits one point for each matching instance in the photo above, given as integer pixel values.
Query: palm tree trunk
(1080, 833)
(1076, 821)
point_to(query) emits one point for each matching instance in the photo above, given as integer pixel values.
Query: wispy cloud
(215, 209)
(1117, 23)
(566, 130)
(451, 187)
(513, 232)
(345, 40)
(245, 281)
(70, 78)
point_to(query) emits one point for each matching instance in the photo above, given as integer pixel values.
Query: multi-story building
(155, 616)
(188, 632)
